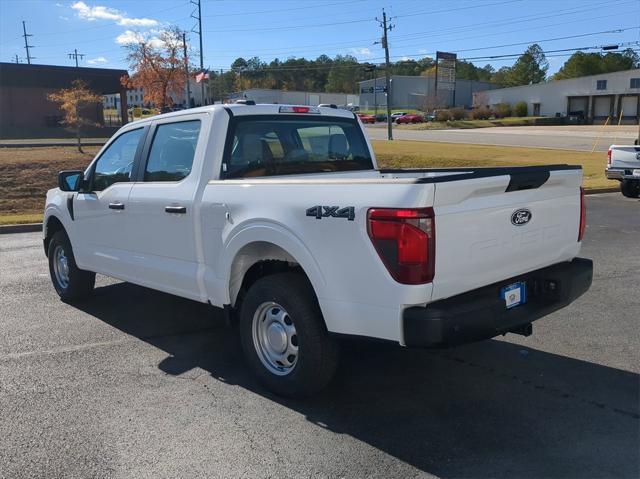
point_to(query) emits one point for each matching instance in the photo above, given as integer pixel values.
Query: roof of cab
(241, 110)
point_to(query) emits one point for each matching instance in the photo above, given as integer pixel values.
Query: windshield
(285, 145)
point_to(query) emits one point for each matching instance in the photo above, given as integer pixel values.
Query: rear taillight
(405, 241)
(609, 157)
(583, 215)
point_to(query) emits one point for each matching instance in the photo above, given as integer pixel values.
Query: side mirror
(70, 180)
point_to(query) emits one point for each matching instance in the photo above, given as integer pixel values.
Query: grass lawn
(424, 154)
(27, 173)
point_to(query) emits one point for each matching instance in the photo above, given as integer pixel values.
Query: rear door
(162, 214)
(489, 229)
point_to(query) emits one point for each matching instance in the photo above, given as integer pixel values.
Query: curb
(47, 145)
(597, 191)
(25, 228)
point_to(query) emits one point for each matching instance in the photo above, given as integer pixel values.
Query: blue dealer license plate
(514, 295)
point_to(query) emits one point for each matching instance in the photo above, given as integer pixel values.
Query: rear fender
(276, 242)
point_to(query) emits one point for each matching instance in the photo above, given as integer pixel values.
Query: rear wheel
(69, 281)
(630, 188)
(284, 338)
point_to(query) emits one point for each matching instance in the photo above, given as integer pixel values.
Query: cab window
(285, 145)
(116, 162)
(172, 151)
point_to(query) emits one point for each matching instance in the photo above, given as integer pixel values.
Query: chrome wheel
(275, 338)
(61, 267)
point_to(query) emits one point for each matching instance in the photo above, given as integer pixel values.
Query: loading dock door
(601, 106)
(629, 106)
(578, 104)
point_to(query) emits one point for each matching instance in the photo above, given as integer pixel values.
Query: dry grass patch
(424, 154)
(27, 173)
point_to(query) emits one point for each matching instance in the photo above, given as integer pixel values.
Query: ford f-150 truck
(623, 164)
(280, 215)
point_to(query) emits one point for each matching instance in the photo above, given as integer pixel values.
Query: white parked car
(281, 216)
(398, 114)
(623, 164)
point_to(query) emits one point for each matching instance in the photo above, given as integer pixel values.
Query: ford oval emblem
(521, 217)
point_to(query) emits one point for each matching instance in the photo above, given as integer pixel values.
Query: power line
(26, 42)
(617, 30)
(513, 20)
(306, 7)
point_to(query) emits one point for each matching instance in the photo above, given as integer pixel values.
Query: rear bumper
(620, 174)
(481, 314)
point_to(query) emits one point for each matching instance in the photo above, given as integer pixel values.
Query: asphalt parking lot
(135, 383)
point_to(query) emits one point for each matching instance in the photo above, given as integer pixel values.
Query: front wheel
(284, 338)
(69, 281)
(630, 188)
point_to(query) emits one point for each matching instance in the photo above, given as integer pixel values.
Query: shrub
(481, 113)
(502, 110)
(520, 109)
(443, 115)
(457, 113)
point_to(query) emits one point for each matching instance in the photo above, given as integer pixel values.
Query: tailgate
(501, 222)
(625, 156)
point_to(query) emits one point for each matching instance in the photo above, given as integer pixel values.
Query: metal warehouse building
(264, 95)
(416, 92)
(593, 98)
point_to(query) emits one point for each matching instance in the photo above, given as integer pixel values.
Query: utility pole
(75, 56)
(17, 59)
(386, 27)
(199, 32)
(186, 70)
(26, 42)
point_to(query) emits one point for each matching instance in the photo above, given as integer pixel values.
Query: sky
(474, 29)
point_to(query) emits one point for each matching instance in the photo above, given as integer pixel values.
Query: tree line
(342, 73)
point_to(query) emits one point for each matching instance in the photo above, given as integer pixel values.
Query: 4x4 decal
(319, 212)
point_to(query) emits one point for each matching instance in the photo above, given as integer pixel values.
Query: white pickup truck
(279, 215)
(623, 164)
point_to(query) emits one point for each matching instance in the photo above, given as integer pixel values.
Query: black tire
(630, 188)
(79, 282)
(317, 353)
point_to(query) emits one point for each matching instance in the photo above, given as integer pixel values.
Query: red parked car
(410, 118)
(367, 118)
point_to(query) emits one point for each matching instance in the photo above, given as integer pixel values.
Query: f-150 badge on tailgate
(319, 212)
(521, 217)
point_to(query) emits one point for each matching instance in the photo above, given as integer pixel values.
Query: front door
(100, 211)
(162, 217)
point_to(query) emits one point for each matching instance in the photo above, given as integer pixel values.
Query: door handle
(116, 206)
(175, 209)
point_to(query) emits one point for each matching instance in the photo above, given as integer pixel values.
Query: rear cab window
(272, 145)
(172, 151)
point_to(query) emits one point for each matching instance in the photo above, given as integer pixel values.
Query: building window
(601, 85)
(634, 83)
